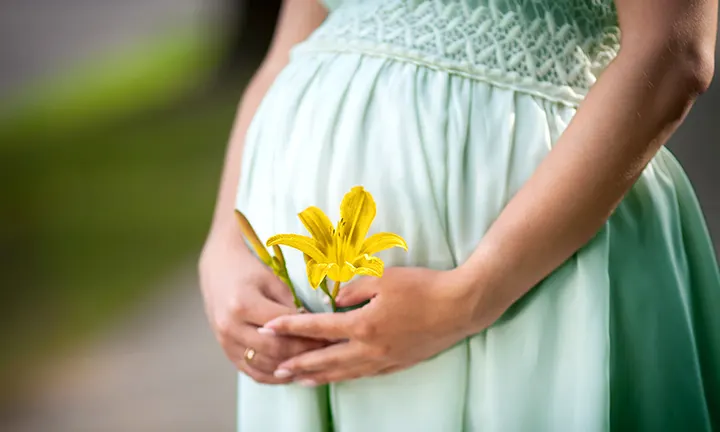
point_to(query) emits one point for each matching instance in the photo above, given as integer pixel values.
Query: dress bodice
(555, 48)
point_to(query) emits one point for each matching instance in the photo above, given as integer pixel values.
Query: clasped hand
(413, 314)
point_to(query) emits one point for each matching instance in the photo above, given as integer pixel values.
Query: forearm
(298, 18)
(224, 224)
(627, 116)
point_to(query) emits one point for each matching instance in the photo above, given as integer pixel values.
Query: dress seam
(567, 96)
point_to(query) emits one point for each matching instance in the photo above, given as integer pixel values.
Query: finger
(357, 292)
(345, 355)
(259, 361)
(368, 369)
(328, 326)
(276, 290)
(258, 309)
(277, 347)
(395, 368)
(258, 376)
(339, 375)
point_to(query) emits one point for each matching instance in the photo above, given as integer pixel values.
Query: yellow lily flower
(343, 252)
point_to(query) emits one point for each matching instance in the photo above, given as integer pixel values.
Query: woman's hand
(414, 314)
(241, 294)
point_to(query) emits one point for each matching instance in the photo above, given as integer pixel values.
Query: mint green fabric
(553, 48)
(624, 336)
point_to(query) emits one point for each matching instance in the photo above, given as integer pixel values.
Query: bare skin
(240, 293)
(665, 62)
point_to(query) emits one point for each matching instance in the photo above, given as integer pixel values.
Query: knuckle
(276, 350)
(238, 307)
(224, 329)
(364, 330)
(381, 350)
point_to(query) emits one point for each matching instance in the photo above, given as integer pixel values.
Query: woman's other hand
(241, 294)
(414, 313)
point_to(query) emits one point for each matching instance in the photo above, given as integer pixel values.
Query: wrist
(225, 239)
(224, 226)
(481, 288)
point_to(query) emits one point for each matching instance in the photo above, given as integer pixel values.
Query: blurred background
(114, 116)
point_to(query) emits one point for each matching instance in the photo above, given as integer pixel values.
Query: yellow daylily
(343, 252)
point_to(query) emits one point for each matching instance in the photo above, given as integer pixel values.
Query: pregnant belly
(441, 154)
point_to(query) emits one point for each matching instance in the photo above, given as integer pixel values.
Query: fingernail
(270, 323)
(282, 373)
(307, 383)
(326, 300)
(266, 331)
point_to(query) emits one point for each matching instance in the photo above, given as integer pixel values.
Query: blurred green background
(114, 118)
(104, 201)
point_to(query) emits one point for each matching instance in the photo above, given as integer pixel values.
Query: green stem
(286, 279)
(336, 290)
(324, 288)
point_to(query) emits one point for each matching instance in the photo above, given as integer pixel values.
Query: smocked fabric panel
(550, 48)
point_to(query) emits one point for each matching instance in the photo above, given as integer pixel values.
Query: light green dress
(442, 110)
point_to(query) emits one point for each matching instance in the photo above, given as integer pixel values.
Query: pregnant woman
(559, 276)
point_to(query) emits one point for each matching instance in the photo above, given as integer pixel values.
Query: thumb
(357, 292)
(277, 290)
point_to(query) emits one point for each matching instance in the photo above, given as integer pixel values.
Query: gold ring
(249, 354)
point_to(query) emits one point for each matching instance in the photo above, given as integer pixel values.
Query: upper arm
(680, 33)
(297, 20)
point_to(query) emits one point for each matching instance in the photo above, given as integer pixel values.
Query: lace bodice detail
(555, 48)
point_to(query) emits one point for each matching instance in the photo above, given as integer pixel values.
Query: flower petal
(252, 238)
(316, 272)
(302, 243)
(367, 265)
(341, 273)
(381, 241)
(318, 225)
(357, 212)
(279, 254)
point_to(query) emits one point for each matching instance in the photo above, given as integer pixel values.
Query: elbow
(673, 75)
(685, 78)
(688, 65)
(694, 69)
(682, 66)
